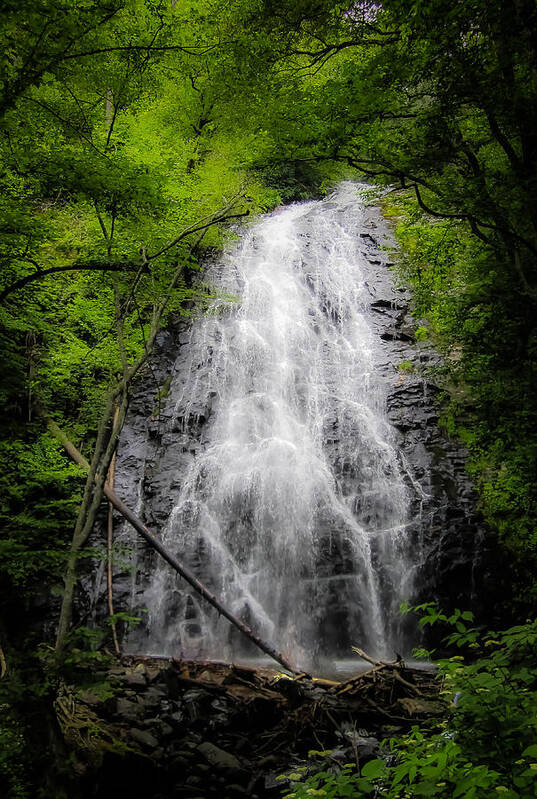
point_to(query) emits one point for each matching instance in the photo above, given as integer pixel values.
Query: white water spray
(294, 508)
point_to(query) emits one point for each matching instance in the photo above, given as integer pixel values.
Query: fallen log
(396, 667)
(372, 698)
(155, 544)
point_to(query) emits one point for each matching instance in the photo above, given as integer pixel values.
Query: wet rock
(135, 678)
(90, 698)
(165, 729)
(153, 696)
(365, 746)
(397, 335)
(270, 738)
(421, 707)
(193, 741)
(153, 673)
(391, 304)
(128, 710)
(180, 762)
(218, 757)
(156, 453)
(144, 737)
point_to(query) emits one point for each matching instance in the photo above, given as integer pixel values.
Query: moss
(421, 334)
(161, 397)
(405, 366)
(87, 735)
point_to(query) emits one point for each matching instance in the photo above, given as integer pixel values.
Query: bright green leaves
(40, 495)
(485, 748)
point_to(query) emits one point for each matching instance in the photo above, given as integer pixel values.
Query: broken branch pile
(193, 727)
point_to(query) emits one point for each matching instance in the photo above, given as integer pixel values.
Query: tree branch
(144, 48)
(68, 124)
(95, 267)
(505, 144)
(195, 228)
(416, 182)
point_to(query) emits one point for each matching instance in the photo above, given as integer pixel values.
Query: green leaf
(374, 769)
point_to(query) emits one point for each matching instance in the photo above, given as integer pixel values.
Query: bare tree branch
(89, 267)
(213, 220)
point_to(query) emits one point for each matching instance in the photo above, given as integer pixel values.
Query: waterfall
(288, 497)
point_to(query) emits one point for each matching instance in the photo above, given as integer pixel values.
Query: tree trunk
(110, 545)
(106, 440)
(153, 542)
(93, 493)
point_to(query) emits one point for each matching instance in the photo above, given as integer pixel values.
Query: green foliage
(336, 783)
(119, 135)
(85, 644)
(405, 366)
(13, 779)
(490, 375)
(127, 123)
(486, 747)
(117, 139)
(421, 334)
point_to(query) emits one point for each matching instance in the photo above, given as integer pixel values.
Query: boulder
(144, 738)
(219, 757)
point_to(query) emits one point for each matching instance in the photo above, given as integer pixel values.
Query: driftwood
(374, 698)
(395, 665)
(155, 544)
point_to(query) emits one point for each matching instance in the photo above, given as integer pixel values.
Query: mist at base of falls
(293, 506)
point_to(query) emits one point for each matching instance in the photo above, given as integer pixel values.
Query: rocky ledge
(158, 728)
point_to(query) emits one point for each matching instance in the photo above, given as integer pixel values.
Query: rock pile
(162, 728)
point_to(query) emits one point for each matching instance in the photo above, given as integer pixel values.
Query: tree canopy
(135, 134)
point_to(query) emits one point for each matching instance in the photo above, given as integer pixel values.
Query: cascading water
(294, 509)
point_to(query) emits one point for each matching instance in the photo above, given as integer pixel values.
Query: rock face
(447, 535)
(455, 570)
(445, 514)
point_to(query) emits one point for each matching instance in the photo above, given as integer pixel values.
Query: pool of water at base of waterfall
(336, 670)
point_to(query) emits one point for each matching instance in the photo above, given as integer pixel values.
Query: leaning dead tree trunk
(87, 513)
(108, 432)
(180, 568)
(110, 546)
